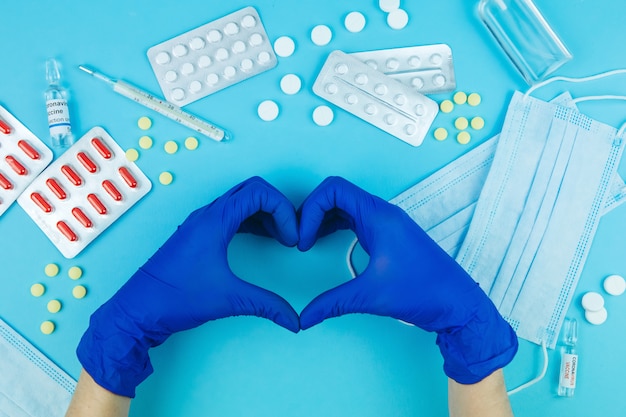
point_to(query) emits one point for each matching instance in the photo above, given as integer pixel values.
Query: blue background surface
(357, 365)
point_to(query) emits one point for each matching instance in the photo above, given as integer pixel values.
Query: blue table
(357, 365)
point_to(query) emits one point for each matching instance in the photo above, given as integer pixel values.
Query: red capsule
(56, 188)
(4, 127)
(128, 177)
(5, 183)
(84, 159)
(15, 165)
(101, 148)
(97, 204)
(112, 190)
(41, 202)
(71, 175)
(28, 149)
(67, 231)
(82, 217)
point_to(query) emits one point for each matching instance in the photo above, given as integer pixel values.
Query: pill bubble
(323, 115)
(179, 50)
(380, 89)
(51, 270)
(417, 82)
(284, 46)
(354, 22)
(439, 80)
(238, 47)
(214, 36)
(47, 327)
(178, 94)
(361, 79)
(372, 64)
(370, 109)
(248, 21)
(268, 110)
(229, 72)
(392, 64)
(162, 58)
(197, 43)
(37, 290)
(264, 57)
(400, 99)
(212, 79)
(79, 292)
(195, 86)
(436, 59)
(441, 133)
(246, 64)
(321, 35)
(255, 39)
(397, 19)
(204, 61)
(171, 76)
(331, 88)
(420, 109)
(410, 129)
(231, 29)
(414, 61)
(221, 54)
(391, 119)
(341, 69)
(75, 272)
(166, 178)
(351, 98)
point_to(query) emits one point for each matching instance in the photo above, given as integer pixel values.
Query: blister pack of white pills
(384, 102)
(212, 57)
(84, 191)
(427, 68)
(22, 157)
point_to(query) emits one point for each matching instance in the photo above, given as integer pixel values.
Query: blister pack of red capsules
(22, 158)
(84, 191)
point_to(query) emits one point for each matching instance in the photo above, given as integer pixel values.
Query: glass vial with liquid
(56, 105)
(569, 359)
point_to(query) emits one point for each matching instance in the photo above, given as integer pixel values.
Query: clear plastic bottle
(56, 105)
(569, 359)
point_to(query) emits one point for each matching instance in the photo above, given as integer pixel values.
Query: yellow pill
(461, 123)
(144, 123)
(171, 147)
(191, 143)
(446, 106)
(460, 98)
(441, 133)
(51, 270)
(477, 123)
(47, 327)
(37, 290)
(75, 272)
(463, 138)
(54, 306)
(166, 178)
(79, 291)
(132, 155)
(145, 142)
(474, 99)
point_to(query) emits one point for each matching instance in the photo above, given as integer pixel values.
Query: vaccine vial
(56, 105)
(569, 359)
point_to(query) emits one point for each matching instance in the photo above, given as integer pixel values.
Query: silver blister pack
(427, 68)
(212, 57)
(384, 102)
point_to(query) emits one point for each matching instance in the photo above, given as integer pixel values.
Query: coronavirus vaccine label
(58, 117)
(569, 365)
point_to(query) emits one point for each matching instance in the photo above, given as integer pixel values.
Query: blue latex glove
(185, 283)
(408, 277)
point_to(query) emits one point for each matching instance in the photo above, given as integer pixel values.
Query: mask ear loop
(349, 262)
(539, 377)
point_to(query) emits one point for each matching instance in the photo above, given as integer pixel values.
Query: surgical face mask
(30, 385)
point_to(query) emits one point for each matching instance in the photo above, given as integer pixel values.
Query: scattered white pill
(284, 46)
(321, 35)
(397, 19)
(388, 5)
(596, 317)
(354, 22)
(290, 84)
(593, 301)
(614, 284)
(323, 115)
(268, 110)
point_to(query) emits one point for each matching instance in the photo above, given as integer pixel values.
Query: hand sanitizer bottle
(56, 105)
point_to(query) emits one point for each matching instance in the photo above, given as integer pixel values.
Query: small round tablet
(191, 143)
(179, 50)
(132, 155)
(246, 64)
(145, 142)
(321, 35)
(231, 28)
(221, 54)
(264, 57)
(474, 99)
(477, 123)
(417, 82)
(596, 317)
(388, 5)
(397, 19)
(170, 147)
(461, 123)
(187, 68)
(166, 178)
(238, 47)
(463, 138)
(268, 110)
(75, 272)
(47, 327)
(51, 270)
(54, 306)
(214, 36)
(171, 76)
(446, 106)
(441, 133)
(162, 58)
(37, 290)
(212, 79)
(204, 61)
(354, 22)
(614, 284)
(460, 97)
(229, 72)
(284, 46)
(195, 86)
(248, 21)
(197, 43)
(255, 39)
(592, 301)
(290, 84)
(79, 291)
(144, 123)
(178, 94)
(323, 115)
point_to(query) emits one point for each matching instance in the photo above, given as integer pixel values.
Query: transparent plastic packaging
(525, 36)
(569, 359)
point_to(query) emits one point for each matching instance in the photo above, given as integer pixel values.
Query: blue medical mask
(30, 385)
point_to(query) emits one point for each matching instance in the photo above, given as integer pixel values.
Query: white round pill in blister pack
(211, 57)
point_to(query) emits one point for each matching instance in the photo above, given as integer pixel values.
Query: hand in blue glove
(408, 277)
(185, 283)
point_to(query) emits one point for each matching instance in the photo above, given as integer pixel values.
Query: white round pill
(196, 43)
(593, 301)
(268, 110)
(187, 68)
(290, 84)
(221, 54)
(229, 71)
(212, 79)
(178, 94)
(255, 39)
(231, 29)
(397, 19)
(354, 22)
(204, 61)
(246, 64)
(596, 317)
(614, 284)
(248, 21)
(323, 115)
(284, 46)
(171, 76)
(214, 36)
(388, 5)
(239, 47)
(321, 35)
(195, 86)
(162, 58)
(392, 64)
(264, 57)
(179, 50)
